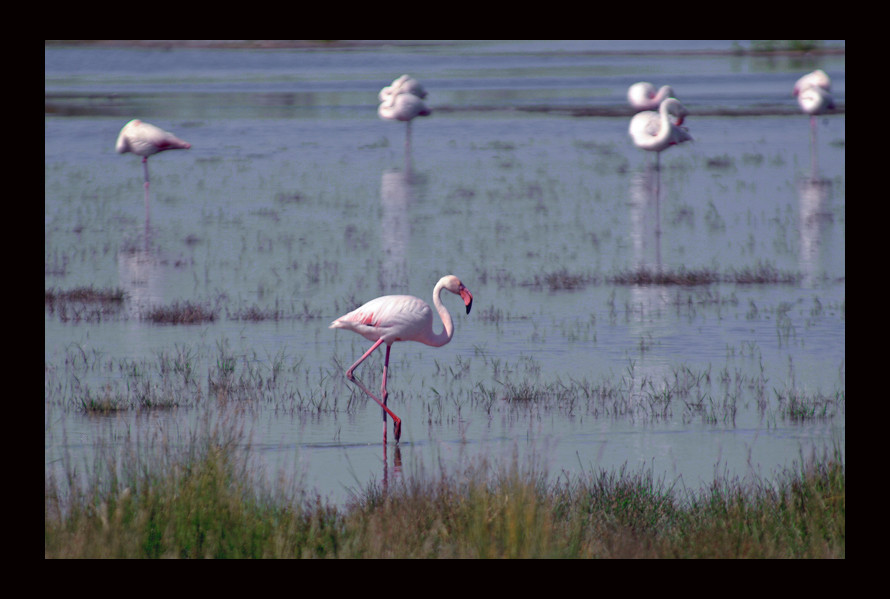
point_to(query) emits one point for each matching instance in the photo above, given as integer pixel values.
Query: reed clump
(84, 304)
(180, 313)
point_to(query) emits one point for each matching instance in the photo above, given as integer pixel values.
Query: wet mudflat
(718, 345)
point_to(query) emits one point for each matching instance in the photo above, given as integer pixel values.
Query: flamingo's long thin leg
(397, 428)
(362, 359)
(384, 394)
(397, 422)
(145, 170)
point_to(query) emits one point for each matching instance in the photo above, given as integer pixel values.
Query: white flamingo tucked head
(815, 100)
(402, 107)
(405, 85)
(145, 140)
(817, 78)
(642, 95)
(656, 131)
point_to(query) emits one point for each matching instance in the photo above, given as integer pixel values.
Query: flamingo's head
(453, 284)
(397, 429)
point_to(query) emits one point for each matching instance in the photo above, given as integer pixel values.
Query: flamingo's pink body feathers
(391, 318)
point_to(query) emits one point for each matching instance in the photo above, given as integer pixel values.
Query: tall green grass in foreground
(205, 500)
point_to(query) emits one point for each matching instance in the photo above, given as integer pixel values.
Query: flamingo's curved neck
(440, 339)
(664, 124)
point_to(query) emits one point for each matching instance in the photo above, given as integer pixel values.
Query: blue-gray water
(294, 199)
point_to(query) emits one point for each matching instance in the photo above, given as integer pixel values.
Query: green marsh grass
(202, 497)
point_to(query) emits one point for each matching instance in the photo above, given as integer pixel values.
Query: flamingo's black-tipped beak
(397, 429)
(467, 297)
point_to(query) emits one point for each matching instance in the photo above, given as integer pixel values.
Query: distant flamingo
(403, 84)
(813, 92)
(815, 100)
(394, 318)
(657, 131)
(642, 95)
(399, 104)
(145, 140)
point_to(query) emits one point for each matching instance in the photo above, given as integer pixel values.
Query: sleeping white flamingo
(813, 92)
(817, 78)
(642, 95)
(657, 131)
(400, 104)
(144, 139)
(403, 84)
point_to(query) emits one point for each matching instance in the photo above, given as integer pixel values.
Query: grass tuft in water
(180, 313)
(87, 304)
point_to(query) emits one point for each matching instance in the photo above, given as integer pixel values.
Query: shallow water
(296, 199)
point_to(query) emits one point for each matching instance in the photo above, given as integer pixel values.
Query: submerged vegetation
(185, 376)
(206, 500)
(91, 305)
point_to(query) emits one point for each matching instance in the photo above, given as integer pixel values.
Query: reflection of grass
(180, 313)
(564, 280)
(83, 294)
(645, 276)
(186, 377)
(94, 305)
(204, 499)
(87, 304)
(770, 46)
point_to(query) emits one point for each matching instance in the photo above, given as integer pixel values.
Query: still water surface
(297, 200)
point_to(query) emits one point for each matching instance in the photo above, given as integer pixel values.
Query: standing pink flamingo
(145, 140)
(642, 95)
(392, 318)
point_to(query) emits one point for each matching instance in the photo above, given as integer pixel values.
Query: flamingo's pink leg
(397, 422)
(362, 359)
